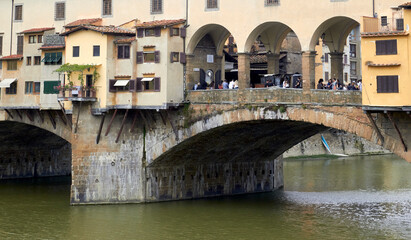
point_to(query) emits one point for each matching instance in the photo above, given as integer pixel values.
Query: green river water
(350, 198)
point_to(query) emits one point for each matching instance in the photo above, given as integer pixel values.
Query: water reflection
(353, 198)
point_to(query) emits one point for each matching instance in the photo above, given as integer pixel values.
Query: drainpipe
(373, 8)
(11, 27)
(184, 51)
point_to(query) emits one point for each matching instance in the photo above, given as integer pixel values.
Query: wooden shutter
(140, 32)
(217, 79)
(170, 29)
(202, 77)
(157, 84)
(392, 84)
(20, 42)
(60, 10)
(111, 87)
(1, 46)
(140, 57)
(183, 32)
(387, 84)
(157, 56)
(157, 32)
(183, 58)
(400, 24)
(171, 57)
(132, 85)
(392, 47)
(139, 85)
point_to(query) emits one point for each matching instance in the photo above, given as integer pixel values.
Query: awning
(6, 82)
(121, 83)
(147, 79)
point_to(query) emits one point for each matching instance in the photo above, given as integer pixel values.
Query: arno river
(351, 198)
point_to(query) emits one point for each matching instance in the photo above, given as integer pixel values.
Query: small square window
(150, 32)
(28, 88)
(212, 4)
(175, 32)
(28, 61)
(107, 8)
(156, 6)
(37, 60)
(123, 51)
(12, 89)
(272, 2)
(39, 38)
(149, 57)
(174, 56)
(12, 65)
(32, 39)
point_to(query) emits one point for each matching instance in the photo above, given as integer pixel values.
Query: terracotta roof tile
(258, 58)
(52, 47)
(12, 57)
(160, 23)
(407, 4)
(102, 29)
(126, 40)
(37, 30)
(80, 22)
(383, 34)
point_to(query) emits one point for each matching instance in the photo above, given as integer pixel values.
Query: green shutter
(49, 87)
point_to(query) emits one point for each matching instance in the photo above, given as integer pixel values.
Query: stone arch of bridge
(31, 151)
(294, 125)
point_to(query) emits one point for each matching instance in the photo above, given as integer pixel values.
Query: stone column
(243, 70)
(189, 71)
(337, 67)
(273, 63)
(223, 67)
(308, 69)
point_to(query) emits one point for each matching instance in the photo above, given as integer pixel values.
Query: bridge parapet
(275, 95)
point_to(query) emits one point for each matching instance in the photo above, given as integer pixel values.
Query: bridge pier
(308, 71)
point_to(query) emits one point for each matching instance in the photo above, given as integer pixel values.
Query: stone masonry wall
(38, 162)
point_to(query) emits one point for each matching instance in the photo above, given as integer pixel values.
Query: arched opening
(207, 56)
(241, 158)
(30, 152)
(274, 56)
(337, 45)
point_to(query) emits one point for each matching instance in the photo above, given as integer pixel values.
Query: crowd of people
(334, 84)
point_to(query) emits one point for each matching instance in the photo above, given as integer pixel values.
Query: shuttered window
(326, 57)
(12, 89)
(107, 8)
(1, 45)
(50, 87)
(387, 84)
(384, 21)
(212, 4)
(20, 41)
(156, 6)
(400, 24)
(386, 47)
(12, 65)
(18, 12)
(157, 84)
(60, 11)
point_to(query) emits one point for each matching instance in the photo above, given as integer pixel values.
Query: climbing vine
(79, 68)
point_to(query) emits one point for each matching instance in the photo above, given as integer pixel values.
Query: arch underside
(28, 151)
(239, 142)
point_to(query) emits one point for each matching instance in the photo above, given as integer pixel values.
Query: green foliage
(80, 68)
(283, 109)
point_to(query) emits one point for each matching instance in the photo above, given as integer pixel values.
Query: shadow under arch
(239, 142)
(29, 151)
(218, 34)
(334, 32)
(272, 34)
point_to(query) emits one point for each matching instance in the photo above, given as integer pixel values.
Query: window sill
(153, 13)
(107, 16)
(211, 9)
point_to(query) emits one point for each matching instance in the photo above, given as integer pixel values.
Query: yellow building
(386, 64)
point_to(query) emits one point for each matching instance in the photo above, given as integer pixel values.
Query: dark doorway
(89, 83)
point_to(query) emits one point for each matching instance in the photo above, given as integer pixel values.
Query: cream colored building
(215, 20)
